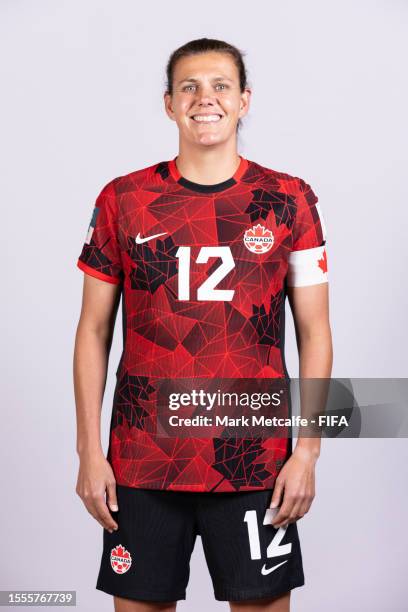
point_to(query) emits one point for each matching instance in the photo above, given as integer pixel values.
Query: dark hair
(204, 45)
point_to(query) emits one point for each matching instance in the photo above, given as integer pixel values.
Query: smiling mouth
(207, 118)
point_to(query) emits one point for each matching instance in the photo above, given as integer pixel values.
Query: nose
(206, 101)
(206, 96)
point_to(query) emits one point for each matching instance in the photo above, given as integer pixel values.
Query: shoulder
(145, 178)
(259, 172)
(297, 188)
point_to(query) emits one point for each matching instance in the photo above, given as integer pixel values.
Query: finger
(277, 494)
(308, 497)
(92, 510)
(282, 516)
(111, 497)
(95, 515)
(305, 506)
(104, 516)
(295, 515)
(284, 511)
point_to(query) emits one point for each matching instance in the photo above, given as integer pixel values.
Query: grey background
(82, 86)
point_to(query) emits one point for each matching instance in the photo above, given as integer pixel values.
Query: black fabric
(159, 529)
(207, 188)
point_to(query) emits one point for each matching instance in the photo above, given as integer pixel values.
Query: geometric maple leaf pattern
(263, 202)
(131, 397)
(96, 258)
(171, 337)
(163, 170)
(236, 460)
(153, 267)
(268, 324)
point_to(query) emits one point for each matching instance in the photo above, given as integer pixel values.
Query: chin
(211, 139)
(208, 142)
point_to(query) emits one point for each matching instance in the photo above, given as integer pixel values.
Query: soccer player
(203, 250)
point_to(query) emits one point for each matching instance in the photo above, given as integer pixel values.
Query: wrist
(88, 449)
(307, 450)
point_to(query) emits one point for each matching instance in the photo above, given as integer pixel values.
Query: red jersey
(203, 271)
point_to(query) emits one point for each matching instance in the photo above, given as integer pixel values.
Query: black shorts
(148, 557)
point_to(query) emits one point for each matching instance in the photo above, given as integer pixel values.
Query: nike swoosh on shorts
(265, 571)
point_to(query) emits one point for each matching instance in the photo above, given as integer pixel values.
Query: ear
(245, 102)
(168, 106)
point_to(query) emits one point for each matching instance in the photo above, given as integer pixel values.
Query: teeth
(206, 118)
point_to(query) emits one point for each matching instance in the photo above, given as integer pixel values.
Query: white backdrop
(82, 84)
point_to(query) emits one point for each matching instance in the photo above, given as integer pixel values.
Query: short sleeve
(307, 262)
(100, 256)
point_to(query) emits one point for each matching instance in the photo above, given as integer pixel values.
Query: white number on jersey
(207, 291)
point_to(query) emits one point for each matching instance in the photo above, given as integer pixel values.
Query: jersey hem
(196, 488)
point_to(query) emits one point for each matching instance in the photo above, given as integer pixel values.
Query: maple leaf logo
(258, 239)
(120, 559)
(322, 263)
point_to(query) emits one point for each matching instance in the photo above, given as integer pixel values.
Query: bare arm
(92, 346)
(310, 308)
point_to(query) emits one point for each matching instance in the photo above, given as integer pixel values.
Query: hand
(297, 480)
(95, 477)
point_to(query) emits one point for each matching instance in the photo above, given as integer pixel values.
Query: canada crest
(120, 559)
(258, 239)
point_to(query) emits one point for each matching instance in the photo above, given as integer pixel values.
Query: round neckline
(216, 187)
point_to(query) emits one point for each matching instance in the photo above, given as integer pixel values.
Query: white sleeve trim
(321, 219)
(307, 267)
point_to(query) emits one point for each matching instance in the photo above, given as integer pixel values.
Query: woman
(203, 249)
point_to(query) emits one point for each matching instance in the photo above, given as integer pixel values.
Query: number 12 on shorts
(275, 548)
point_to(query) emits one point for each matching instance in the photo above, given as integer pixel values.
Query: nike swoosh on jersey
(140, 240)
(265, 571)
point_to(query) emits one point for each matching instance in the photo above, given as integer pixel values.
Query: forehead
(206, 65)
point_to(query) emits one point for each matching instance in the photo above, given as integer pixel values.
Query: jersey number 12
(206, 291)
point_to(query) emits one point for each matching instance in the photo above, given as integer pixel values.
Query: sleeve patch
(92, 225)
(307, 267)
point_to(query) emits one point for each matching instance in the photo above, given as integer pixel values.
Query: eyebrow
(193, 80)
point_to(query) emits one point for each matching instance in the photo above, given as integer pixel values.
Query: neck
(208, 165)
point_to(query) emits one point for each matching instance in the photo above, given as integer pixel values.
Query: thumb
(277, 494)
(111, 497)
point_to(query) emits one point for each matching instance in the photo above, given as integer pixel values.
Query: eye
(220, 86)
(189, 88)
